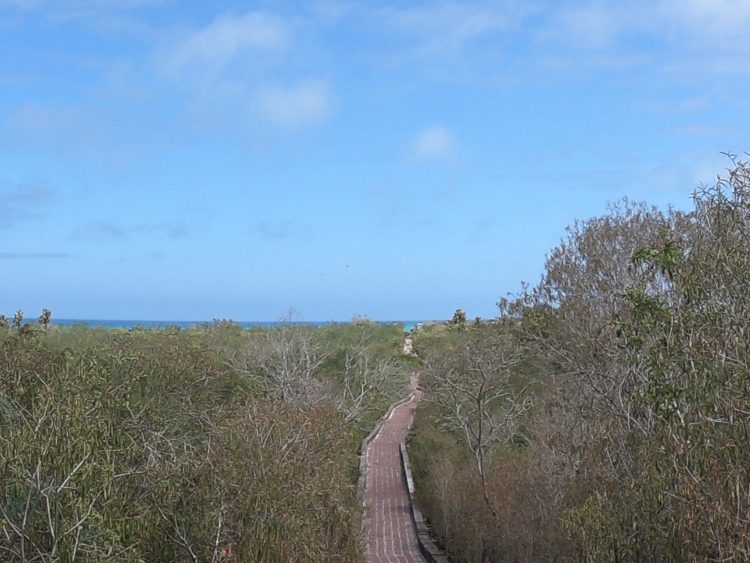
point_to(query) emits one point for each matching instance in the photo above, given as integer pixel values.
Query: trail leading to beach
(391, 537)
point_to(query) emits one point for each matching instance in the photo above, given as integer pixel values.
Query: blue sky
(197, 160)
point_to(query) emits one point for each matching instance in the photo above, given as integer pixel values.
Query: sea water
(128, 324)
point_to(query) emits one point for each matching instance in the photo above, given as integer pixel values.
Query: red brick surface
(391, 534)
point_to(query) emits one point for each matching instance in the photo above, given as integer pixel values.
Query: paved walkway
(391, 535)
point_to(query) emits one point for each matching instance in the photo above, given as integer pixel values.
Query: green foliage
(469, 433)
(151, 446)
(458, 321)
(637, 446)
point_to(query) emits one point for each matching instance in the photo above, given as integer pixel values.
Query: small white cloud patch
(589, 26)
(433, 142)
(293, 106)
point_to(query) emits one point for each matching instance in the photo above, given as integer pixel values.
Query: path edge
(363, 449)
(427, 547)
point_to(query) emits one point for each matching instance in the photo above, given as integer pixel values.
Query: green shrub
(637, 349)
(147, 445)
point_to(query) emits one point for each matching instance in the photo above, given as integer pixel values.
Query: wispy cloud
(446, 28)
(54, 122)
(704, 130)
(599, 24)
(33, 255)
(71, 9)
(112, 230)
(683, 173)
(102, 16)
(279, 230)
(228, 37)
(23, 201)
(78, 4)
(100, 230)
(710, 34)
(434, 142)
(719, 22)
(301, 104)
(480, 228)
(270, 231)
(592, 26)
(178, 230)
(231, 72)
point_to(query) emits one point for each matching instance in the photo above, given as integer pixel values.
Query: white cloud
(57, 11)
(457, 21)
(691, 39)
(593, 26)
(331, 11)
(225, 39)
(718, 21)
(229, 67)
(434, 142)
(446, 28)
(292, 106)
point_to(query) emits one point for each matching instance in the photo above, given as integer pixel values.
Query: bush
(150, 446)
(637, 445)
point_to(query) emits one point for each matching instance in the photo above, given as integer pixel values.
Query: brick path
(391, 535)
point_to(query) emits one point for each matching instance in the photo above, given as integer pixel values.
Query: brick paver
(390, 531)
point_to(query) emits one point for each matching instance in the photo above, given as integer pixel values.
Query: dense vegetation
(605, 415)
(209, 444)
